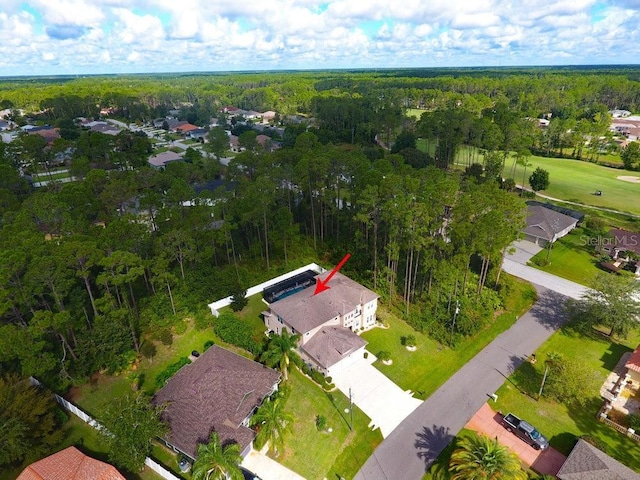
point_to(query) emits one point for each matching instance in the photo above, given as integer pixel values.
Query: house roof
(215, 393)
(163, 158)
(331, 344)
(545, 223)
(625, 240)
(633, 363)
(305, 311)
(70, 464)
(586, 462)
(187, 127)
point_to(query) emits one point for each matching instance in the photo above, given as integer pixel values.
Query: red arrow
(321, 285)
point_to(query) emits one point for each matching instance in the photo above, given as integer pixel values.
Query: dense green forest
(92, 270)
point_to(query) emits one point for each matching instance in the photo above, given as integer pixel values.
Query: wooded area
(93, 270)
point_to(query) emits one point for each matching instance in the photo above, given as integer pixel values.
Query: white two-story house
(327, 323)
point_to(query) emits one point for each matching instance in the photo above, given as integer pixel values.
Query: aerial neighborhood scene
(320, 240)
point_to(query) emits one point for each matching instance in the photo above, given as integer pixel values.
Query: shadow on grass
(563, 442)
(611, 357)
(431, 442)
(340, 411)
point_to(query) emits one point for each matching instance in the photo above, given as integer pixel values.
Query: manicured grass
(427, 368)
(563, 424)
(318, 455)
(572, 257)
(416, 112)
(577, 181)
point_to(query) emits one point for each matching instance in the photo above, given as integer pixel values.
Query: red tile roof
(186, 128)
(70, 464)
(634, 360)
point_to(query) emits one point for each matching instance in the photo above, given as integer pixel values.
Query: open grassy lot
(572, 257)
(563, 424)
(425, 369)
(251, 314)
(95, 395)
(318, 455)
(577, 181)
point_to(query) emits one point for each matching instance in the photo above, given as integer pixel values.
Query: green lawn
(95, 395)
(252, 315)
(427, 368)
(577, 181)
(572, 257)
(318, 455)
(562, 424)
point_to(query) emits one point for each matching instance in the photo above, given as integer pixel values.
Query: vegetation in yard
(236, 332)
(564, 422)
(572, 257)
(478, 456)
(335, 454)
(425, 369)
(170, 371)
(216, 461)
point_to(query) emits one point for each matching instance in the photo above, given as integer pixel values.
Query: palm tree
(480, 458)
(272, 421)
(217, 462)
(279, 351)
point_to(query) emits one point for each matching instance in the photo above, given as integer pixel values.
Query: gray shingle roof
(214, 393)
(331, 344)
(586, 462)
(305, 311)
(545, 223)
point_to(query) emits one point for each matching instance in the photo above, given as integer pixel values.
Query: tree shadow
(430, 442)
(546, 309)
(613, 354)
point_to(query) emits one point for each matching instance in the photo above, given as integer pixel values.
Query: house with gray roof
(327, 323)
(160, 160)
(586, 462)
(545, 225)
(218, 392)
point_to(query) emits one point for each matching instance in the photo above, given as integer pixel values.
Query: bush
(239, 299)
(207, 344)
(408, 341)
(634, 421)
(321, 422)
(384, 356)
(232, 330)
(148, 350)
(170, 371)
(164, 335)
(203, 321)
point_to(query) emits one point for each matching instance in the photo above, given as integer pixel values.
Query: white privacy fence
(223, 302)
(67, 405)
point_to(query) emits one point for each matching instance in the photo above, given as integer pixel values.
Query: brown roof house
(545, 226)
(624, 247)
(218, 392)
(70, 464)
(327, 323)
(586, 462)
(160, 160)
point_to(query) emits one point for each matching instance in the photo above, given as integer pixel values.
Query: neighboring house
(268, 116)
(545, 226)
(327, 323)
(102, 127)
(623, 246)
(197, 133)
(633, 366)
(218, 392)
(586, 462)
(234, 144)
(265, 142)
(70, 464)
(185, 128)
(162, 159)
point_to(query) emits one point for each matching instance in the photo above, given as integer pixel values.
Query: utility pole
(453, 324)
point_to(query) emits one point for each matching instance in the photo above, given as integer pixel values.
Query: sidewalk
(267, 468)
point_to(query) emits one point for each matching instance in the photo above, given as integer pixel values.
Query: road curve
(420, 438)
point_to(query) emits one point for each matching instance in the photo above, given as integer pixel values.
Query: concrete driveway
(522, 251)
(488, 422)
(267, 468)
(386, 404)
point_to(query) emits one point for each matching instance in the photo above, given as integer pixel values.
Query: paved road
(418, 440)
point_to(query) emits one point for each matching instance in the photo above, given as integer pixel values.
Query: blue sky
(45, 37)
